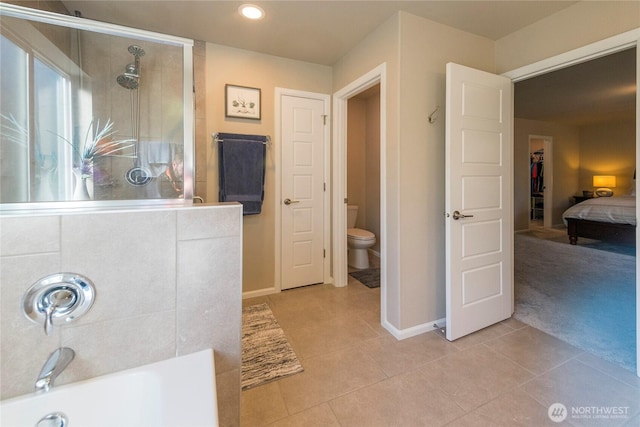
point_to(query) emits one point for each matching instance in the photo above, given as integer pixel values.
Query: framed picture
(242, 102)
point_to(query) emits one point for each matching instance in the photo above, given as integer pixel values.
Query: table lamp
(604, 183)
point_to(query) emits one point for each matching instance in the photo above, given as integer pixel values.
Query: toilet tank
(352, 216)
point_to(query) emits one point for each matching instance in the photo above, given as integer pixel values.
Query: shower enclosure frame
(188, 120)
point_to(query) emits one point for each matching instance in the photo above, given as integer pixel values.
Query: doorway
(540, 181)
(376, 76)
(620, 43)
(363, 164)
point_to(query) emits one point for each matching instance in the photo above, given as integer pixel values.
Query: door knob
(288, 201)
(457, 215)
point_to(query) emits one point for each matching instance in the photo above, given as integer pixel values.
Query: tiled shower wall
(168, 283)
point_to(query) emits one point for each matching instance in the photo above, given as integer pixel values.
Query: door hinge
(324, 119)
(324, 186)
(324, 253)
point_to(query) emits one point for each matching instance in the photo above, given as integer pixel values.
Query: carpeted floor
(266, 352)
(582, 295)
(369, 277)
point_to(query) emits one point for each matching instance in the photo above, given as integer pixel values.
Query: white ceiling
(314, 31)
(323, 31)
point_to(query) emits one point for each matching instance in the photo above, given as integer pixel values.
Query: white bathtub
(174, 392)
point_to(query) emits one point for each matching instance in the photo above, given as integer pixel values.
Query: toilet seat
(359, 234)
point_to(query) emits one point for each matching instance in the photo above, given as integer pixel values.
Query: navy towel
(241, 161)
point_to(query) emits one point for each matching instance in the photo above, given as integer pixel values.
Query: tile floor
(357, 374)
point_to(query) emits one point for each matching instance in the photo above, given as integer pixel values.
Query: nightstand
(579, 199)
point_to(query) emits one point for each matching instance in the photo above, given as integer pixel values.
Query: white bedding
(617, 210)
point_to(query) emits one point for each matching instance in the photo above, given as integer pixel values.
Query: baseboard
(273, 290)
(260, 292)
(401, 334)
(376, 253)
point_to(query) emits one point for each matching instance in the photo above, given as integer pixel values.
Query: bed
(602, 218)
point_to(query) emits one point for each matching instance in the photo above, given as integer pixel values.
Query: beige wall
(200, 122)
(363, 161)
(416, 51)
(382, 47)
(578, 153)
(576, 26)
(357, 157)
(566, 163)
(48, 5)
(245, 68)
(608, 149)
(372, 218)
(581, 24)
(425, 50)
(415, 149)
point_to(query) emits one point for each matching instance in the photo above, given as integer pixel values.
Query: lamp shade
(607, 181)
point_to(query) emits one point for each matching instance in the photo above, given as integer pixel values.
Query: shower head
(128, 81)
(131, 77)
(131, 69)
(136, 51)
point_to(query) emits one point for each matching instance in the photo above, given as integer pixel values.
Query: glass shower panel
(14, 145)
(92, 115)
(51, 160)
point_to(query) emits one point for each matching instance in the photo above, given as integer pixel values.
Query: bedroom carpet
(266, 352)
(582, 295)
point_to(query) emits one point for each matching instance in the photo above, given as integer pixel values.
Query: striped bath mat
(266, 352)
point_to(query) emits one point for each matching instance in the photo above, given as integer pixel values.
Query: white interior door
(479, 206)
(303, 136)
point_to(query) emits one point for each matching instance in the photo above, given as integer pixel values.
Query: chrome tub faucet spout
(55, 364)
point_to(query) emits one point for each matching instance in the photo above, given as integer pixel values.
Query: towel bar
(216, 139)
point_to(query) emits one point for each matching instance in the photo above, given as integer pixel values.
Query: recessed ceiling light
(251, 11)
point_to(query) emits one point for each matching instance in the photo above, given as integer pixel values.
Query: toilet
(358, 240)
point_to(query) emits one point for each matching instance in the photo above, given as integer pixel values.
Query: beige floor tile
(514, 324)
(298, 315)
(295, 298)
(497, 374)
(372, 317)
(511, 409)
(351, 298)
(549, 351)
(356, 303)
(307, 306)
(396, 356)
(254, 301)
(580, 388)
(262, 405)
(474, 376)
(318, 416)
(331, 335)
(328, 376)
(481, 336)
(404, 400)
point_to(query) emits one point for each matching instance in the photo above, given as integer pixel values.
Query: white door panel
(478, 200)
(303, 135)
